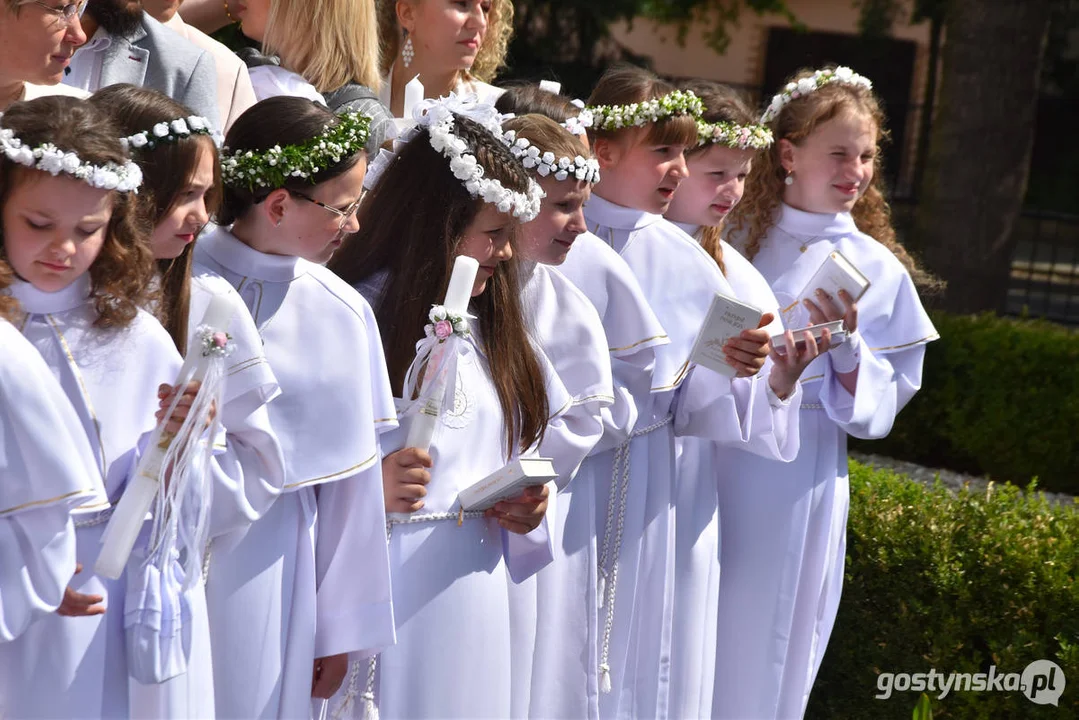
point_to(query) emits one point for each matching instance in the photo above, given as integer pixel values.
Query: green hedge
(1000, 397)
(953, 584)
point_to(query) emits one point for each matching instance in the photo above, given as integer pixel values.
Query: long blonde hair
(329, 42)
(489, 60)
(756, 214)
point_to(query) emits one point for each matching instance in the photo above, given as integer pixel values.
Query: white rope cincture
(352, 690)
(612, 547)
(98, 518)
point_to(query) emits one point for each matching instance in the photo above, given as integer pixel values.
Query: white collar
(800, 223)
(612, 215)
(687, 228)
(225, 248)
(38, 302)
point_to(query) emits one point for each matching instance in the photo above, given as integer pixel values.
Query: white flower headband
(170, 132)
(733, 135)
(438, 117)
(51, 159)
(272, 168)
(616, 117)
(807, 85)
(546, 164)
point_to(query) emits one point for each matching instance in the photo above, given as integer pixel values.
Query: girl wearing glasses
(292, 597)
(37, 40)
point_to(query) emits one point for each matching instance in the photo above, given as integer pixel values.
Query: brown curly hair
(491, 57)
(414, 245)
(120, 277)
(799, 118)
(721, 104)
(9, 306)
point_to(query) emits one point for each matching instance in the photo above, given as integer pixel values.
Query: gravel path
(951, 479)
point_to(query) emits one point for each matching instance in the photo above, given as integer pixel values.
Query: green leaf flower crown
(733, 135)
(616, 117)
(271, 169)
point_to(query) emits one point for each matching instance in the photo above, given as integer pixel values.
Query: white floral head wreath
(547, 165)
(733, 135)
(438, 118)
(170, 132)
(584, 119)
(272, 168)
(812, 83)
(616, 117)
(51, 159)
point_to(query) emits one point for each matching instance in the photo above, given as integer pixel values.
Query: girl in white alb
(308, 583)
(452, 568)
(181, 174)
(558, 678)
(70, 233)
(783, 546)
(641, 168)
(728, 139)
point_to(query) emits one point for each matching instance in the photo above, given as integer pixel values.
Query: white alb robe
(247, 471)
(451, 573)
(784, 526)
(310, 578)
(554, 613)
(702, 464)
(691, 403)
(78, 666)
(47, 468)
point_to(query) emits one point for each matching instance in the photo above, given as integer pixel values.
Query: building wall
(743, 63)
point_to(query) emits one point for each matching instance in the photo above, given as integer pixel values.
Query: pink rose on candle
(220, 339)
(443, 329)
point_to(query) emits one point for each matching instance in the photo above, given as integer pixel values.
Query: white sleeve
(249, 470)
(352, 565)
(742, 413)
(886, 383)
(37, 561)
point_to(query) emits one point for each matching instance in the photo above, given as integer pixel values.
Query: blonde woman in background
(452, 45)
(326, 51)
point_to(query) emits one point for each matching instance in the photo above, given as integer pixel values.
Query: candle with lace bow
(436, 354)
(173, 461)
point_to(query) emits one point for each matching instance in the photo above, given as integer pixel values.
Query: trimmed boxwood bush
(1000, 397)
(952, 583)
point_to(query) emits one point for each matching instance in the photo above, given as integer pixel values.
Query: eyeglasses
(343, 214)
(67, 13)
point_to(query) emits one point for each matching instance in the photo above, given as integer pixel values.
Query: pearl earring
(789, 180)
(408, 52)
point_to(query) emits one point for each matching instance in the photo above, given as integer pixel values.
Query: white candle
(130, 513)
(458, 294)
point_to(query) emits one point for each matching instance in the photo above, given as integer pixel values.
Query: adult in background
(234, 91)
(128, 46)
(37, 40)
(453, 45)
(302, 56)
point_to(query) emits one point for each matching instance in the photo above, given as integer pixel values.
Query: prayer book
(726, 318)
(509, 482)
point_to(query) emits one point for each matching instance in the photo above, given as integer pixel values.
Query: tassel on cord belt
(370, 710)
(612, 545)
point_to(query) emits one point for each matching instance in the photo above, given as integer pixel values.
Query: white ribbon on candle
(438, 361)
(178, 463)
